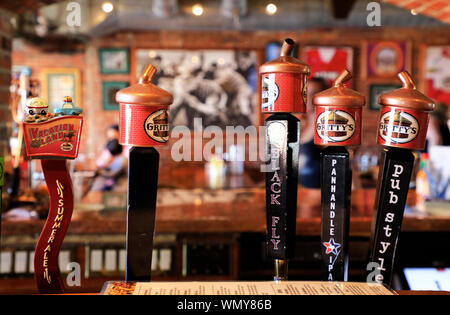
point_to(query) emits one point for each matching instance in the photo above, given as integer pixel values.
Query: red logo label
(57, 137)
(402, 128)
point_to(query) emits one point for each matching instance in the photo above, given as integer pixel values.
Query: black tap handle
(396, 167)
(336, 184)
(282, 146)
(142, 189)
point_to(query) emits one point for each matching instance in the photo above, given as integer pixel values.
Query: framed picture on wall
(218, 86)
(327, 62)
(114, 60)
(375, 90)
(273, 50)
(60, 82)
(109, 90)
(437, 73)
(387, 58)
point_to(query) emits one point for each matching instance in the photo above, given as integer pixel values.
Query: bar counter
(230, 223)
(227, 211)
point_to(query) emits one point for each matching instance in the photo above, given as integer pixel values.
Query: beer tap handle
(336, 185)
(282, 145)
(337, 125)
(143, 125)
(396, 166)
(141, 212)
(46, 270)
(283, 92)
(53, 139)
(403, 123)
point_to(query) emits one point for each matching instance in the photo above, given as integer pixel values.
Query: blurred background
(211, 212)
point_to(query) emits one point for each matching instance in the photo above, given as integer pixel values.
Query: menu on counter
(244, 288)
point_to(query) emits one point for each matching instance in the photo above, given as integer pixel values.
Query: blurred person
(309, 160)
(247, 68)
(109, 177)
(112, 133)
(438, 128)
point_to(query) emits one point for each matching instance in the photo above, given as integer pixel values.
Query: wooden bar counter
(230, 221)
(228, 211)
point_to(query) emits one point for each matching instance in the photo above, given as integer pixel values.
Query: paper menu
(245, 288)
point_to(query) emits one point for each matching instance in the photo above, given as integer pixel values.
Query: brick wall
(418, 38)
(97, 120)
(5, 78)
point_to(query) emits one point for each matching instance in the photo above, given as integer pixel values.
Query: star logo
(331, 247)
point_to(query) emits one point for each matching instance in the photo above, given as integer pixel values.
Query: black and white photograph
(218, 86)
(114, 60)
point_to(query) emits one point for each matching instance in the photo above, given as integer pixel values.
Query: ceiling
(291, 15)
(438, 9)
(244, 15)
(20, 6)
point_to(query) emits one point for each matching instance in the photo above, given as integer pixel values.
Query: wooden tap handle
(46, 270)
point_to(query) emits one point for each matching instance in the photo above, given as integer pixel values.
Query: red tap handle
(46, 270)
